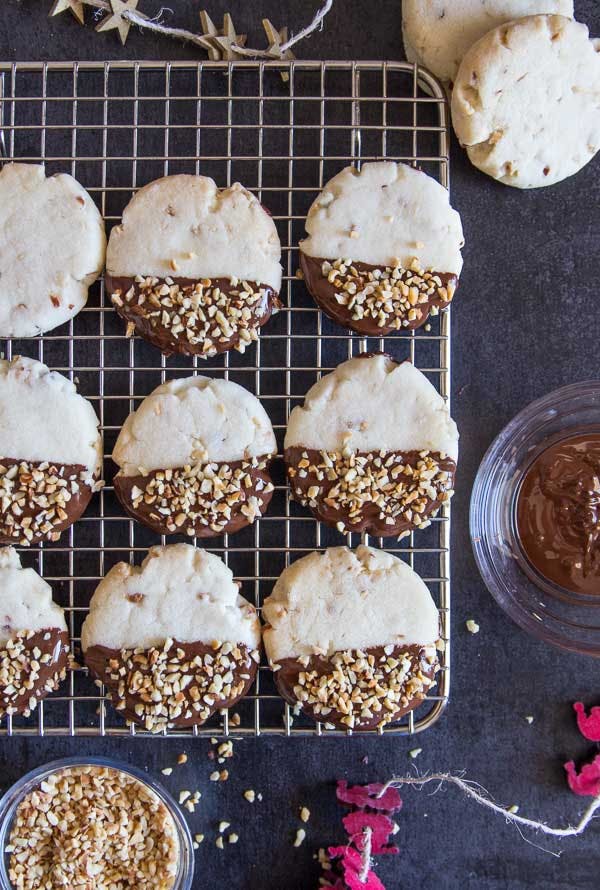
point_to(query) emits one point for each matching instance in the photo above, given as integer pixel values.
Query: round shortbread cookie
(438, 33)
(34, 640)
(351, 636)
(52, 248)
(172, 640)
(50, 452)
(192, 268)
(383, 251)
(526, 102)
(373, 449)
(194, 458)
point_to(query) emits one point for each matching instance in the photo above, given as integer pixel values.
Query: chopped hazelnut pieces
(472, 626)
(200, 316)
(165, 686)
(30, 668)
(393, 297)
(363, 687)
(93, 828)
(406, 488)
(299, 839)
(34, 499)
(206, 495)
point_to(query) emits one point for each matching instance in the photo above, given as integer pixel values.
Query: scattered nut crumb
(219, 842)
(299, 839)
(472, 626)
(233, 838)
(167, 771)
(183, 796)
(182, 759)
(235, 719)
(250, 795)
(304, 814)
(214, 777)
(198, 838)
(529, 719)
(415, 752)
(223, 775)
(514, 809)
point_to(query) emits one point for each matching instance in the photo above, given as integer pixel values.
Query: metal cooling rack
(283, 130)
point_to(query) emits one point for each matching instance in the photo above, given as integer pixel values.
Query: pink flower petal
(381, 827)
(348, 861)
(367, 796)
(587, 781)
(589, 727)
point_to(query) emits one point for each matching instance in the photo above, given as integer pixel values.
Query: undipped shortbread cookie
(172, 640)
(351, 636)
(192, 268)
(526, 102)
(52, 247)
(50, 452)
(438, 33)
(194, 458)
(34, 641)
(373, 449)
(383, 251)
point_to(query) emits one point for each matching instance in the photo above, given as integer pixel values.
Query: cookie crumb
(299, 839)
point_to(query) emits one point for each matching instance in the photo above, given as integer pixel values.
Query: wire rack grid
(282, 129)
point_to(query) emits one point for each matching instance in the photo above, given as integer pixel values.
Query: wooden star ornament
(117, 19)
(276, 40)
(75, 7)
(221, 41)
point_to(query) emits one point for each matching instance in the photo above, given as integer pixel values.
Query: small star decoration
(73, 6)
(221, 41)
(117, 20)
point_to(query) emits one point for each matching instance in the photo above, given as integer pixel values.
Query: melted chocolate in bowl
(558, 514)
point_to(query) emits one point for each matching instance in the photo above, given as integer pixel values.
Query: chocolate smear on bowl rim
(194, 317)
(40, 499)
(383, 493)
(175, 684)
(32, 664)
(376, 300)
(202, 500)
(358, 688)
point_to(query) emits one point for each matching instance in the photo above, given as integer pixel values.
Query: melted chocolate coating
(147, 513)
(371, 521)
(324, 291)
(162, 337)
(16, 668)
(106, 664)
(30, 502)
(558, 513)
(286, 678)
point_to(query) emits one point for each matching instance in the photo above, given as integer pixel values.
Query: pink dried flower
(381, 828)
(589, 726)
(361, 796)
(587, 781)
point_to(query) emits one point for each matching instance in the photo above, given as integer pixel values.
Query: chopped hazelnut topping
(208, 494)
(392, 296)
(92, 827)
(360, 686)
(21, 674)
(200, 312)
(349, 481)
(34, 499)
(164, 685)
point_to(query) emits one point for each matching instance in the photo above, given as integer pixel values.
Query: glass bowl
(13, 797)
(556, 615)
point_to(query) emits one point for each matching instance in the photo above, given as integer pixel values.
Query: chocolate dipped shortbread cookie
(50, 453)
(383, 251)
(192, 268)
(34, 642)
(51, 250)
(373, 449)
(173, 641)
(351, 636)
(194, 458)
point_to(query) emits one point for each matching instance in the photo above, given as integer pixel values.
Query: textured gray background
(525, 321)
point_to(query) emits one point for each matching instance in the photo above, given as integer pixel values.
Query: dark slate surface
(525, 322)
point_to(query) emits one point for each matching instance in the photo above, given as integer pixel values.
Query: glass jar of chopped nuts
(93, 823)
